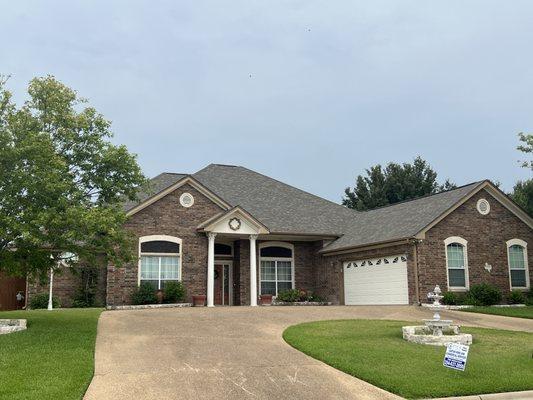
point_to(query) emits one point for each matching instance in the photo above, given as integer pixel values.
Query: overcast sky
(308, 92)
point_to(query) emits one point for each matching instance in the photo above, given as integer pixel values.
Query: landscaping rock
(12, 325)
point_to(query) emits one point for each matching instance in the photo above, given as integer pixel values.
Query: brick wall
(168, 217)
(305, 262)
(486, 236)
(66, 285)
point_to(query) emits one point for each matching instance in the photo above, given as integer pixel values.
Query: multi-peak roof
(284, 209)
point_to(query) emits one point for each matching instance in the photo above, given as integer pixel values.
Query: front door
(222, 284)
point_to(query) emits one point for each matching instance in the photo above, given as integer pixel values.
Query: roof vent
(186, 200)
(483, 206)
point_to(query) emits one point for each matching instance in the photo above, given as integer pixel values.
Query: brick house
(233, 235)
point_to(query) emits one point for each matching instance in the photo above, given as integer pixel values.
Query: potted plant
(198, 301)
(266, 299)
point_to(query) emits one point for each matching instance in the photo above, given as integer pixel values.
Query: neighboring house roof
(284, 209)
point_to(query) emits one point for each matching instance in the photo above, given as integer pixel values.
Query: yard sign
(456, 355)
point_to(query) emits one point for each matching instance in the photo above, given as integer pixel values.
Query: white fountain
(436, 331)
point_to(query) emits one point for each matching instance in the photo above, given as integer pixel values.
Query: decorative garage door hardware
(376, 261)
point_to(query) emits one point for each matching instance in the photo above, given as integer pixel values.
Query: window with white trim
(518, 268)
(456, 263)
(159, 260)
(276, 268)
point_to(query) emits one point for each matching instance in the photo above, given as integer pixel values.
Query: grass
(518, 312)
(499, 361)
(52, 359)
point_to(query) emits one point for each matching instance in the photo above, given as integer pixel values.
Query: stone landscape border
(148, 306)
(12, 325)
(301, 303)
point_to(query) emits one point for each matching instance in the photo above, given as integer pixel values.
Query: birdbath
(436, 324)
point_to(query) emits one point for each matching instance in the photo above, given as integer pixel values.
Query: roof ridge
(426, 196)
(301, 190)
(171, 173)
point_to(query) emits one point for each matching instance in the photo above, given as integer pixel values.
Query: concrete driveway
(234, 353)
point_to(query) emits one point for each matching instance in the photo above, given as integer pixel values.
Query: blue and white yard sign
(456, 355)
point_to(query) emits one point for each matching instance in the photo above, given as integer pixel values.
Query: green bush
(144, 294)
(529, 298)
(290, 295)
(485, 294)
(450, 299)
(40, 301)
(516, 297)
(174, 292)
(295, 295)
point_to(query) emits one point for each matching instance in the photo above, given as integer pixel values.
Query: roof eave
(367, 246)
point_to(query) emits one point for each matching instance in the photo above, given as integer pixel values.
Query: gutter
(376, 245)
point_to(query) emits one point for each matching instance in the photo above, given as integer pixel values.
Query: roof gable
(246, 224)
(172, 183)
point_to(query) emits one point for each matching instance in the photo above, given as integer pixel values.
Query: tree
(393, 184)
(526, 147)
(61, 181)
(523, 195)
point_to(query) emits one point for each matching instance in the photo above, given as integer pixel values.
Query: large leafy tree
(523, 195)
(526, 147)
(523, 190)
(392, 184)
(62, 181)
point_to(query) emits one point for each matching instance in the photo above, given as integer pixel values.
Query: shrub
(516, 297)
(294, 295)
(485, 294)
(450, 299)
(289, 295)
(529, 298)
(40, 301)
(174, 292)
(144, 294)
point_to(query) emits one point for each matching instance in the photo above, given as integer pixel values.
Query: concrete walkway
(234, 353)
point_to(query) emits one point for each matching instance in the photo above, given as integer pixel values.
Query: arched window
(159, 260)
(277, 267)
(518, 268)
(223, 249)
(457, 263)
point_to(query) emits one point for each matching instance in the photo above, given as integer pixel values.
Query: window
(518, 268)
(457, 263)
(277, 267)
(222, 249)
(159, 260)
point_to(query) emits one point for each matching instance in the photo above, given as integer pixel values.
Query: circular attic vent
(186, 200)
(483, 206)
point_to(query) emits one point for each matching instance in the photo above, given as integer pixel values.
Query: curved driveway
(234, 353)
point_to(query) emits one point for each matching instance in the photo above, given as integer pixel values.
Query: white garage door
(376, 281)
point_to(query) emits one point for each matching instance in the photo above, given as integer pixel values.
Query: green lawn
(499, 361)
(52, 359)
(519, 312)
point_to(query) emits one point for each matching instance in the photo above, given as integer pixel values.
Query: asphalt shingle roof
(286, 209)
(398, 221)
(156, 185)
(281, 207)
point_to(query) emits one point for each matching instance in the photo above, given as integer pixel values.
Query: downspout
(417, 277)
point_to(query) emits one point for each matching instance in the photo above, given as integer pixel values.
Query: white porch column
(253, 272)
(211, 268)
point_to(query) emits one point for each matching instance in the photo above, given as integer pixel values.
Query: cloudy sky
(308, 92)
